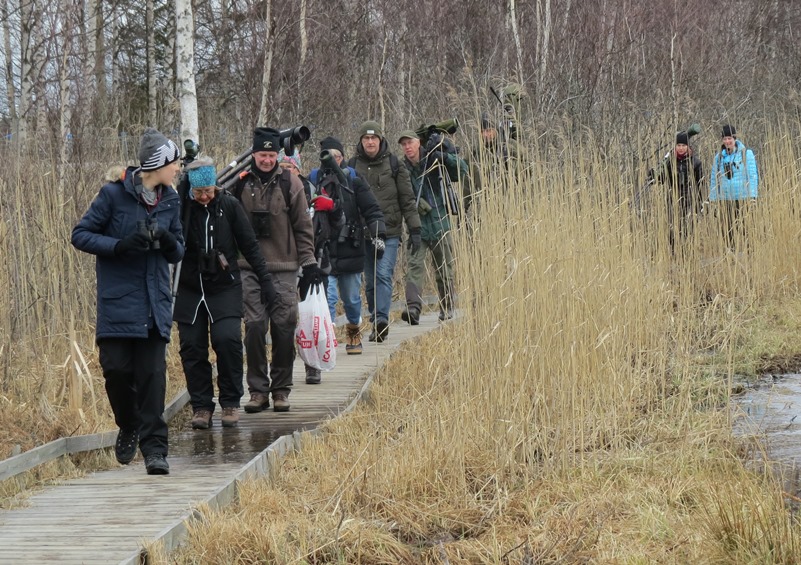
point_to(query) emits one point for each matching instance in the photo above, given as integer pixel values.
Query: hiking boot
(258, 402)
(313, 376)
(412, 317)
(371, 337)
(230, 417)
(201, 420)
(381, 331)
(125, 446)
(156, 464)
(280, 402)
(445, 315)
(353, 344)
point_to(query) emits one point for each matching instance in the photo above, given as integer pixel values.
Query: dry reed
(576, 412)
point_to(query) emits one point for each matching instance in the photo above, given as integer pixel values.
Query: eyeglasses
(207, 191)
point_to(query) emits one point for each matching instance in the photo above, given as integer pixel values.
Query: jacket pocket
(121, 305)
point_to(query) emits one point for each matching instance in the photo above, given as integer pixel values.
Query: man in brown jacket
(276, 205)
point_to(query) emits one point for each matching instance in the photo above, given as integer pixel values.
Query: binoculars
(149, 228)
(352, 232)
(261, 223)
(208, 262)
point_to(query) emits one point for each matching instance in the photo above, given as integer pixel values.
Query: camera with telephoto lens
(290, 137)
(149, 229)
(261, 223)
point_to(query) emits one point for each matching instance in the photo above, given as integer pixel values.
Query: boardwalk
(104, 517)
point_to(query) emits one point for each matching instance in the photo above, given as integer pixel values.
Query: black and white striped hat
(156, 151)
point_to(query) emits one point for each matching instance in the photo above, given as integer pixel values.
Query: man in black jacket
(209, 299)
(349, 205)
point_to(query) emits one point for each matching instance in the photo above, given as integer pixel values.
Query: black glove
(167, 240)
(380, 247)
(415, 242)
(312, 274)
(136, 243)
(268, 294)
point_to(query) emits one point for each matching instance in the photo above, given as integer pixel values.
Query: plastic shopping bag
(314, 336)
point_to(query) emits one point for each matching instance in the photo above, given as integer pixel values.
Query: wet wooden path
(106, 516)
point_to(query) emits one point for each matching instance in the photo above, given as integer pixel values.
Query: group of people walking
(251, 253)
(733, 186)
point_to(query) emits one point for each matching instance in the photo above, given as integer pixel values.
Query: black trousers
(226, 340)
(135, 371)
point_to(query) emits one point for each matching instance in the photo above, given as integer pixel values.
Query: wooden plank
(108, 514)
(30, 459)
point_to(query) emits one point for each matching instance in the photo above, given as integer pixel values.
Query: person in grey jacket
(133, 227)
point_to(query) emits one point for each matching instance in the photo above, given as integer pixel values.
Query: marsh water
(770, 410)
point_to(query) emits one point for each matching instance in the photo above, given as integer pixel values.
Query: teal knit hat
(201, 173)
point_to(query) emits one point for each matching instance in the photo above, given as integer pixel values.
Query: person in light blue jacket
(734, 183)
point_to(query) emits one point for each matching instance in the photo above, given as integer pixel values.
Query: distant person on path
(276, 206)
(432, 170)
(734, 184)
(390, 184)
(133, 227)
(209, 300)
(348, 206)
(682, 176)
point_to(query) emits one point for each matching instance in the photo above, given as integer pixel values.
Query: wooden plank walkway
(105, 516)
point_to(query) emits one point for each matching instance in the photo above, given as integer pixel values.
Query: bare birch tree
(8, 67)
(185, 68)
(151, 61)
(269, 42)
(516, 35)
(29, 15)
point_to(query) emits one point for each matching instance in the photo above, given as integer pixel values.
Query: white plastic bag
(314, 336)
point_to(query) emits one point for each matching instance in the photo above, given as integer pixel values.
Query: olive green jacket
(395, 195)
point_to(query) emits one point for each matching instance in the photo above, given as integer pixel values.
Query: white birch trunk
(268, 62)
(65, 87)
(546, 43)
(185, 68)
(28, 25)
(516, 35)
(8, 64)
(151, 62)
(304, 37)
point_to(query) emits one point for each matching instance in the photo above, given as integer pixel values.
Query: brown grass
(577, 413)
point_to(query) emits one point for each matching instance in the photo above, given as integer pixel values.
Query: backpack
(394, 165)
(284, 181)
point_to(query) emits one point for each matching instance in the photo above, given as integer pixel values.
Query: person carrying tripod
(432, 169)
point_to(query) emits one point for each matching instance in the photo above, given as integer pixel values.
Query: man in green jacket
(389, 181)
(432, 169)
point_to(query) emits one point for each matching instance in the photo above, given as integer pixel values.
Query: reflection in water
(226, 445)
(771, 409)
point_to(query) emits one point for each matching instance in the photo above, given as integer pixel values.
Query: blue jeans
(350, 291)
(378, 279)
(332, 294)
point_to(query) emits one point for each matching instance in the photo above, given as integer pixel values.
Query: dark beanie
(682, 138)
(729, 131)
(156, 151)
(370, 127)
(332, 142)
(266, 139)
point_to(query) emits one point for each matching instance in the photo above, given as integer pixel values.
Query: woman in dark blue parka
(133, 228)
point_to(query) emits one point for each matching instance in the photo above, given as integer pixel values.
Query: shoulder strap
(285, 180)
(394, 165)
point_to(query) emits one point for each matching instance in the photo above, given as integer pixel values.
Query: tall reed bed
(576, 411)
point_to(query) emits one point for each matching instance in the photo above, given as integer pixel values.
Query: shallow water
(770, 410)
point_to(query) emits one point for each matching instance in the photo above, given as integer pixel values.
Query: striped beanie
(156, 151)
